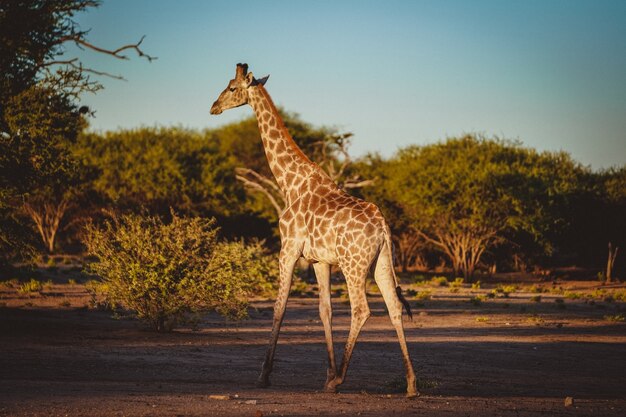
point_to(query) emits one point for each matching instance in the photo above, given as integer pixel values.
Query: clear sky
(549, 73)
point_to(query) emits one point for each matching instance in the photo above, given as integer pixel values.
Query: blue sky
(549, 73)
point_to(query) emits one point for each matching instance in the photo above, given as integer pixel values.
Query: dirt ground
(474, 355)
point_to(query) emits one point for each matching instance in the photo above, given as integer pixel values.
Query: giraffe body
(326, 226)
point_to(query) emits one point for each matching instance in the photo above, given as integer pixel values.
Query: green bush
(439, 281)
(165, 273)
(29, 287)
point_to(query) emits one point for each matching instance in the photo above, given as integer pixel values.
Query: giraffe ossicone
(326, 226)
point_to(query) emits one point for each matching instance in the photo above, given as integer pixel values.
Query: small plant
(454, 290)
(48, 284)
(535, 319)
(615, 318)
(71, 281)
(476, 285)
(458, 282)
(598, 293)
(167, 272)
(424, 295)
(573, 295)
(439, 281)
(535, 289)
(51, 263)
(481, 319)
(535, 298)
(619, 295)
(506, 290)
(30, 287)
(11, 283)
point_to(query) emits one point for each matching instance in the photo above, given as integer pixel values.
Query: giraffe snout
(215, 108)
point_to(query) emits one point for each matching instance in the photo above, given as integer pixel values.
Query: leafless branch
(261, 178)
(113, 52)
(258, 187)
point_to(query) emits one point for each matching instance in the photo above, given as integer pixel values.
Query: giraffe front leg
(287, 261)
(322, 273)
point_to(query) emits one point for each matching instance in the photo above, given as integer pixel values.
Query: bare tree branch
(79, 41)
(261, 178)
(258, 187)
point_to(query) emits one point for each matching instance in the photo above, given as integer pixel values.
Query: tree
(40, 115)
(158, 168)
(469, 194)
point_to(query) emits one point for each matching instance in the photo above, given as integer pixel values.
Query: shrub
(458, 282)
(506, 290)
(439, 281)
(423, 295)
(30, 287)
(166, 272)
(615, 318)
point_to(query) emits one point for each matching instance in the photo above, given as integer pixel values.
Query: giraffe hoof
(331, 385)
(412, 394)
(331, 389)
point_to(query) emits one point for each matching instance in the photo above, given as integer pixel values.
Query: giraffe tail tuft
(404, 302)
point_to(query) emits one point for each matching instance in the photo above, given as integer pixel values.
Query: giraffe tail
(403, 300)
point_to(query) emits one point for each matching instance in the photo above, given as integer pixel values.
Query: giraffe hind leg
(385, 279)
(322, 273)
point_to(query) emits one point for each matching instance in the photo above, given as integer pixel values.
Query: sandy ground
(501, 357)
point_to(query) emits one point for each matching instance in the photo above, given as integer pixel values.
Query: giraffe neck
(290, 166)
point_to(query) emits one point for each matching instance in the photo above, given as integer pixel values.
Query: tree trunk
(47, 217)
(610, 262)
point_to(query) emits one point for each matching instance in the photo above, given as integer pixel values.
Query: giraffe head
(237, 91)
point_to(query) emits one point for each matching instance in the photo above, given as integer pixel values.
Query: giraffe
(326, 226)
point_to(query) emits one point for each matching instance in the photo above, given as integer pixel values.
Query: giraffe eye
(232, 89)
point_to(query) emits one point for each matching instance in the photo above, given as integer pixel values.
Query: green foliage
(156, 168)
(439, 281)
(424, 295)
(467, 194)
(615, 318)
(165, 272)
(30, 287)
(505, 290)
(458, 283)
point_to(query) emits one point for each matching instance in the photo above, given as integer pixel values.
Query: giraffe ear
(252, 81)
(249, 79)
